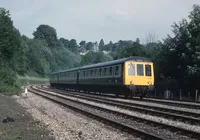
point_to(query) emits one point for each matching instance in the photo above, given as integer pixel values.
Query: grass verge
(20, 82)
(27, 80)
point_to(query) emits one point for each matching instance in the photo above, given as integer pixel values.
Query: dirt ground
(24, 126)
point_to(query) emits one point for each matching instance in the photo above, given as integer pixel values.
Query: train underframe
(126, 91)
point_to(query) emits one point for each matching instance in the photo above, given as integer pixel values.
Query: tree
(137, 40)
(101, 45)
(65, 42)
(150, 38)
(180, 55)
(89, 46)
(9, 46)
(94, 57)
(136, 49)
(95, 47)
(36, 56)
(9, 38)
(193, 42)
(73, 45)
(20, 58)
(108, 47)
(46, 33)
(82, 43)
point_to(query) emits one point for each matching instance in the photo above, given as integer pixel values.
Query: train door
(149, 73)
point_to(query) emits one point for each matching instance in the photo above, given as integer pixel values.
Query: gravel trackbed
(24, 127)
(65, 124)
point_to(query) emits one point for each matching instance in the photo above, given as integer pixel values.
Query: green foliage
(65, 59)
(9, 90)
(46, 33)
(26, 80)
(82, 43)
(9, 47)
(65, 42)
(95, 57)
(101, 44)
(136, 49)
(7, 75)
(184, 48)
(107, 47)
(9, 39)
(73, 45)
(89, 46)
(20, 60)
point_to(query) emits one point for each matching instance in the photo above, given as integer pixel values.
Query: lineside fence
(171, 89)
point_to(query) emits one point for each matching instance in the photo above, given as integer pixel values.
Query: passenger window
(148, 70)
(100, 72)
(131, 69)
(91, 73)
(104, 71)
(140, 70)
(95, 72)
(88, 72)
(110, 71)
(116, 70)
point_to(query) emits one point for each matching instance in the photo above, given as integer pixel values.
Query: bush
(9, 90)
(26, 80)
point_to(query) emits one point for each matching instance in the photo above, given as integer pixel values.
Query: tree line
(176, 58)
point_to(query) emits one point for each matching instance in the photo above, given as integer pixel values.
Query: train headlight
(149, 83)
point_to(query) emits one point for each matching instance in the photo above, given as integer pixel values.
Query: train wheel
(126, 95)
(131, 94)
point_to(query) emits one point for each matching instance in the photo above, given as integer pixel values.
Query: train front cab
(139, 77)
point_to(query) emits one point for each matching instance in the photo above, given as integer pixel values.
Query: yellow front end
(138, 73)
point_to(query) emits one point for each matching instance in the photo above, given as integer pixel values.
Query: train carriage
(127, 76)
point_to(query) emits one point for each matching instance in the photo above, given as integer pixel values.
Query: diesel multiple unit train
(132, 76)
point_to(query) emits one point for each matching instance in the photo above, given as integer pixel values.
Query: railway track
(142, 127)
(192, 105)
(173, 114)
(185, 104)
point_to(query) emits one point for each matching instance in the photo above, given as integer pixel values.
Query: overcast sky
(92, 20)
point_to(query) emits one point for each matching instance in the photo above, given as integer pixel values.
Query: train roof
(113, 62)
(119, 61)
(65, 70)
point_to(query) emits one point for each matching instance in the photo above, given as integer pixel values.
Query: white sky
(92, 20)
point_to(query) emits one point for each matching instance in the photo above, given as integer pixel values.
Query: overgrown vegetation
(176, 58)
